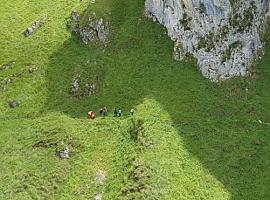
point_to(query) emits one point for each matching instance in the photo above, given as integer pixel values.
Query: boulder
(64, 154)
(14, 104)
(32, 69)
(95, 30)
(7, 81)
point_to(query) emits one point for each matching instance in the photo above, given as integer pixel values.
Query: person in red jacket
(91, 115)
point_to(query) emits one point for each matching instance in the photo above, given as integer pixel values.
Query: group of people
(104, 112)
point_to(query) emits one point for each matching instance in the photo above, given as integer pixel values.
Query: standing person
(91, 115)
(115, 112)
(119, 113)
(105, 111)
(101, 111)
(132, 111)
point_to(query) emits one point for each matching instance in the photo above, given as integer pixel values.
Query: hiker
(91, 115)
(105, 111)
(115, 112)
(132, 111)
(119, 113)
(101, 111)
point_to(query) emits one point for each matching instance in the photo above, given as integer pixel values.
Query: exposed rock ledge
(225, 36)
(90, 29)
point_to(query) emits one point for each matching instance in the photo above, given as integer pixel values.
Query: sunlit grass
(211, 141)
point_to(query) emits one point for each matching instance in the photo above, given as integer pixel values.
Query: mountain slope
(209, 141)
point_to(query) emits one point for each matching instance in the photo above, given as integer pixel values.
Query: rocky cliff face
(223, 35)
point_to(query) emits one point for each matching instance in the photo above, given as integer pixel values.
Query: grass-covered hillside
(188, 139)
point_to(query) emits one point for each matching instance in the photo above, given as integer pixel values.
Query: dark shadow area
(217, 121)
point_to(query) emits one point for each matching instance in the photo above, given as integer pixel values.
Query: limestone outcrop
(224, 36)
(35, 26)
(90, 29)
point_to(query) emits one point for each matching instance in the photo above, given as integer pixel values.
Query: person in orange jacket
(91, 115)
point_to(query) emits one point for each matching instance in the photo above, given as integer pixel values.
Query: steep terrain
(225, 37)
(196, 139)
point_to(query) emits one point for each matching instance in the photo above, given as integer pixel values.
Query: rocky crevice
(223, 36)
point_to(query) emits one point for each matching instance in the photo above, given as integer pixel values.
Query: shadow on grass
(214, 120)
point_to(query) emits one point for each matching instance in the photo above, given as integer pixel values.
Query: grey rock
(74, 16)
(37, 24)
(32, 69)
(14, 104)
(95, 31)
(7, 81)
(225, 39)
(64, 154)
(29, 31)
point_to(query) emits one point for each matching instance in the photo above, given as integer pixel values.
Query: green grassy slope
(208, 142)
